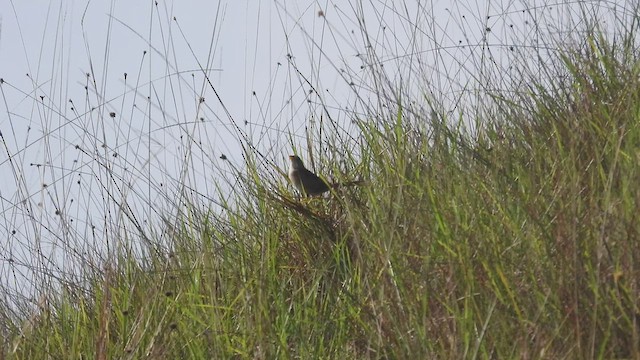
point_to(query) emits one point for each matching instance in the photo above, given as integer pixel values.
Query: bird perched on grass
(308, 183)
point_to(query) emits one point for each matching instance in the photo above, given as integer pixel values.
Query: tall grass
(516, 239)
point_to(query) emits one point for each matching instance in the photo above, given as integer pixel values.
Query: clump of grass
(517, 240)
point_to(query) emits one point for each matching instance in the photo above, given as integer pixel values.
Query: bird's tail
(348, 183)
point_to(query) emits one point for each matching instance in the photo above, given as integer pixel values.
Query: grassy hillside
(513, 234)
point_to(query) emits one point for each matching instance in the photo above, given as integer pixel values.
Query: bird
(305, 181)
(308, 183)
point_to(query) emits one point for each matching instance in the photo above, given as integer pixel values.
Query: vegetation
(509, 235)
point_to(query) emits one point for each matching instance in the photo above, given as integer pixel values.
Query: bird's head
(296, 162)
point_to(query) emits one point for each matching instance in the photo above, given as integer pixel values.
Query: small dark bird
(304, 180)
(308, 183)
